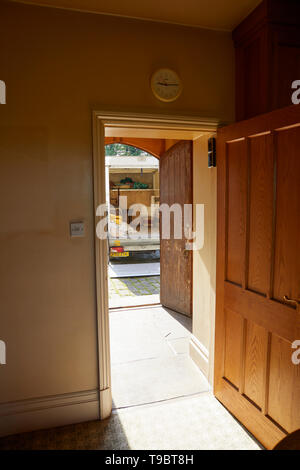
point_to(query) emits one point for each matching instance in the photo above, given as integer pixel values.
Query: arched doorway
(155, 147)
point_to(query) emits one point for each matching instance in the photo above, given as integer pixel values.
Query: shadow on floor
(182, 319)
(94, 435)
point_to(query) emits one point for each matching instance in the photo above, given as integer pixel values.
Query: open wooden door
(175, 261)
(258, 273)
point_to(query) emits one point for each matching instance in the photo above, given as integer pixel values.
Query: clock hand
(167, 84)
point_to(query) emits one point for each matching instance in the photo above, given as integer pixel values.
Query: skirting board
(105, 403)
(48, 412)
(200, 355)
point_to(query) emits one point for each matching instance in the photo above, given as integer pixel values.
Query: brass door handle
(291, 301)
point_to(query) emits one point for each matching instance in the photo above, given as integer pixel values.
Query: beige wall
(204, 261)
(59, 66)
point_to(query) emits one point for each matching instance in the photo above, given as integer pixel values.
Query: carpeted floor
(199, 422)
(162, 400)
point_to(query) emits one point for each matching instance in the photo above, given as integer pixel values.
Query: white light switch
(77, 229)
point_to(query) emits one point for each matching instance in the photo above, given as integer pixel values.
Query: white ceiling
(211, 14)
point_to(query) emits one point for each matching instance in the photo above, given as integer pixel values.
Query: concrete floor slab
(153, 380)
(133, 301)
(149, 355)
(145, 333)
(133, 270)
(134, 336)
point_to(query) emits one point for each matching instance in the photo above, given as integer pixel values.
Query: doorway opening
(149, 347)
(178, 136)
(132, 196)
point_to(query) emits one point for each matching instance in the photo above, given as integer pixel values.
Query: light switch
(77, 229)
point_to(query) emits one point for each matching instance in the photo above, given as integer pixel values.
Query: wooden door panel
(256, 348)
(175, 261)
(260, 213)
(273, 316)
(284, 388)
(236, 217)
(258, 264)
(287, 243)
(233, 347)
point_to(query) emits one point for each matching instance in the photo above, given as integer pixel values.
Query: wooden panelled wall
(267, 57)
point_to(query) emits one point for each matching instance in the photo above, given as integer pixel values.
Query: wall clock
(166, 85)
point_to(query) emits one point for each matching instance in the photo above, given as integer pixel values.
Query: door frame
(101, 120)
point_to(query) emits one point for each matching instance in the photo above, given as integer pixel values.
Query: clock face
(166, 85)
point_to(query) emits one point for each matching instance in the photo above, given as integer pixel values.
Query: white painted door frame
(101, 120)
